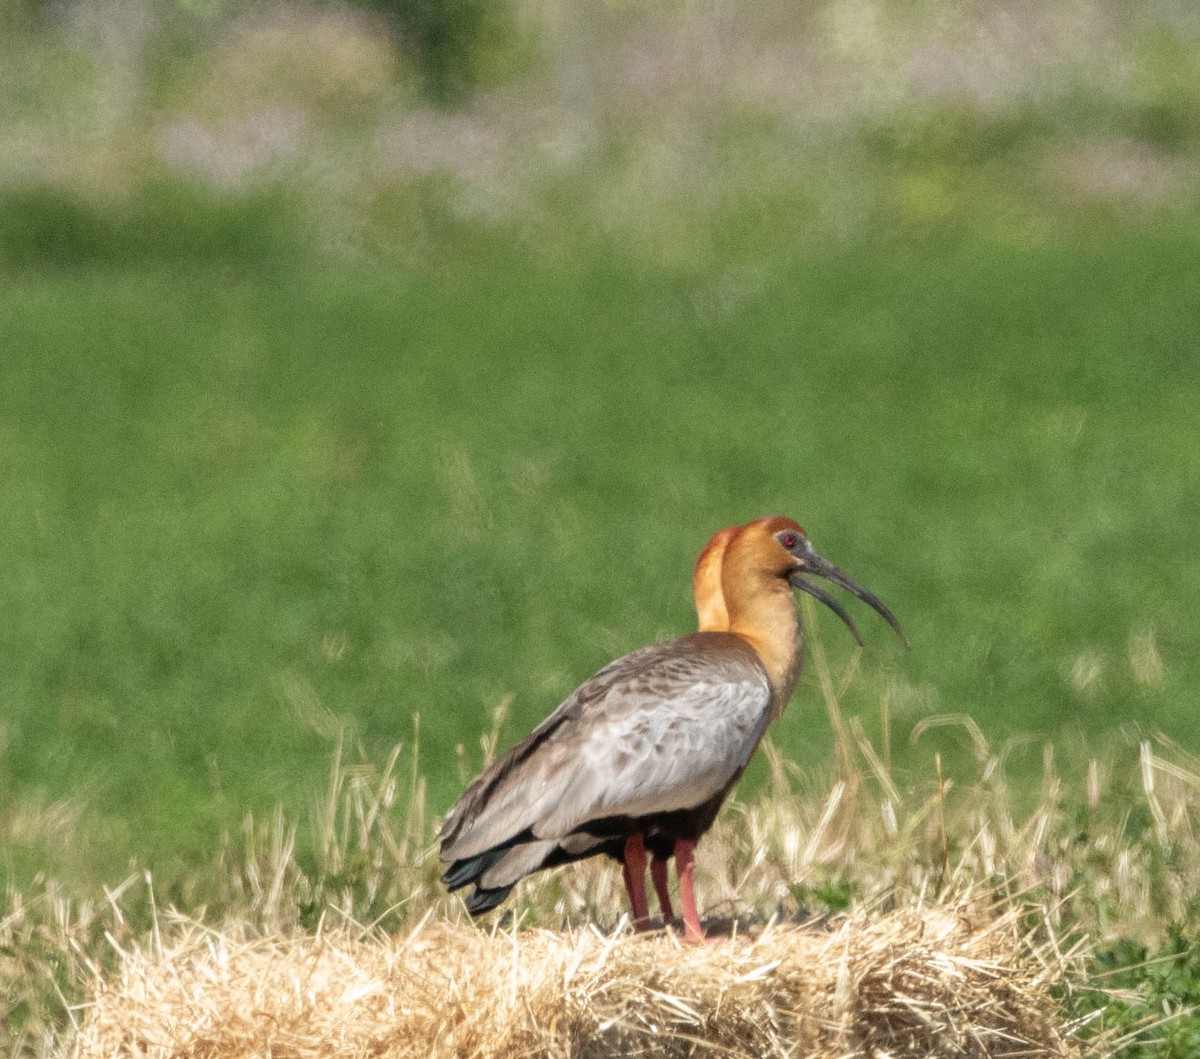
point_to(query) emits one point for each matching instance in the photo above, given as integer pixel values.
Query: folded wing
(663, 729)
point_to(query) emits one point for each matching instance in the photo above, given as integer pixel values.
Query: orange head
(743, 583)
(757, 562)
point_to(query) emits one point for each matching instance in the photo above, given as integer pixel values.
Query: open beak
(812, 563)
(796, 581)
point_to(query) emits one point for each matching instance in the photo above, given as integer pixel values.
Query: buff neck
(763, 612)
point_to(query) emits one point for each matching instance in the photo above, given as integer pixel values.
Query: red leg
(658, 872)
(684, 868)
(634, 870)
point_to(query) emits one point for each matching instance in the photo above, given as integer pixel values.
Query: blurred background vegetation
(367, 362)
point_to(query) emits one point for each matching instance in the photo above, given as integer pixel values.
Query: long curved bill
(817, 592)
(822, 567)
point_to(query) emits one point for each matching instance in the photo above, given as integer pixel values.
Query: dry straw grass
(967, 921)
(937, 980)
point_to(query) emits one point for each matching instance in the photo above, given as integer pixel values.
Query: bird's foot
(697, 937)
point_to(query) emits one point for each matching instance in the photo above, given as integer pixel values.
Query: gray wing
(662, 729)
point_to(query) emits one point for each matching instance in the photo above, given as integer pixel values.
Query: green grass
(358, 442)
(250, 502)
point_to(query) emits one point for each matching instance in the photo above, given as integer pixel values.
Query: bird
(642, 755)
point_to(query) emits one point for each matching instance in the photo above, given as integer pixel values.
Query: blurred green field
(249, 509)
(304, 456)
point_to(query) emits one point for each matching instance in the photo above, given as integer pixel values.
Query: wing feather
(662, 729)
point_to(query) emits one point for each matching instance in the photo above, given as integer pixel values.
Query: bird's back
(664, 730)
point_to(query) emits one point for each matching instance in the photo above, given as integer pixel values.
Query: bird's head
(775, 549)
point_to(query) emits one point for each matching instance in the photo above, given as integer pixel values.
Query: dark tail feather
(469, 869)
(482, 900)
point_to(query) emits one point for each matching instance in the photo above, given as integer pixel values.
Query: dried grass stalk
(931, 980)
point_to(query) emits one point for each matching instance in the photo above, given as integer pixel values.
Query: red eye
(789, 540)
